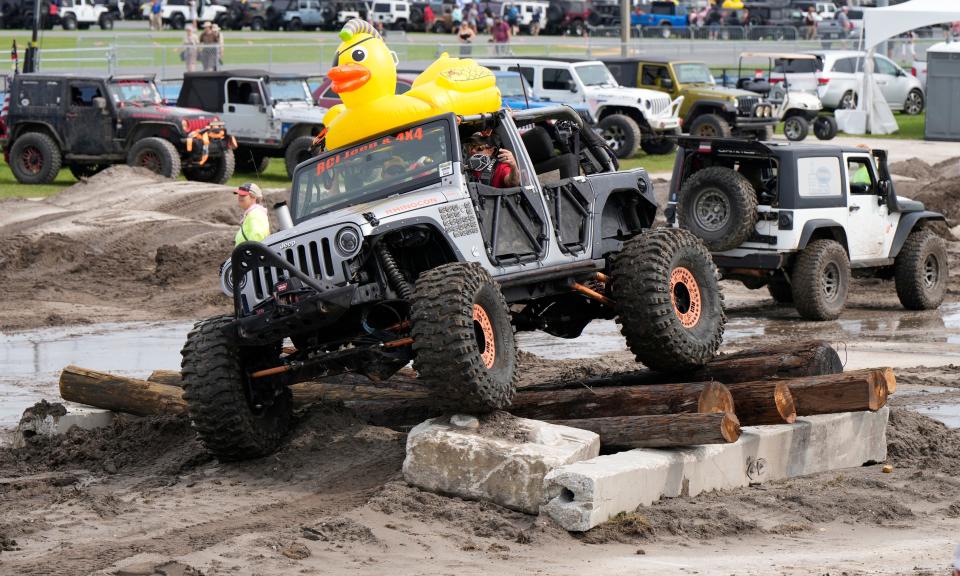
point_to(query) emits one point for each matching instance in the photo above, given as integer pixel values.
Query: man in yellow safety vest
(255, 225)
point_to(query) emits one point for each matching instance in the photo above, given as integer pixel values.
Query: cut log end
(783, 400)
(715, 398)
(730, 427)
(891, 380)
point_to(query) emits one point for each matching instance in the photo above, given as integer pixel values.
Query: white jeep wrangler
(81, 14)
(628, 118)
(176, 13)
(800, 219)
(393, 14)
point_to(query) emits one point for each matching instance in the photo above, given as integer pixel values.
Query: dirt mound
(339, 529)
(918, 441)
(912, 168)
(947, 376)
(941, 196)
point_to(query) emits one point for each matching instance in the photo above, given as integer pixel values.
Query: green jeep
(708, 110)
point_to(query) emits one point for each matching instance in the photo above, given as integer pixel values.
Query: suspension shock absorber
(394, 276)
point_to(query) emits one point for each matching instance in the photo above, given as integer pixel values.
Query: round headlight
(226, 273)
(348, 242)
(648, 104)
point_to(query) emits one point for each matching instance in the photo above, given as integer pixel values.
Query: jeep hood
(168, 113)
(629, 93)
(306, 113)
(707, 91)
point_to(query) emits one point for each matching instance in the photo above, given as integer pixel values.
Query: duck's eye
(358, 55)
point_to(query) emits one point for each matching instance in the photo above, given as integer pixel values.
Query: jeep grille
(658, 104)
(197, 123)
(746, 104)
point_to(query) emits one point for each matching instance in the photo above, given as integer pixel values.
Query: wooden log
(763, 402)
(661, 431)
(890, 379)
(311, 392)
(781, 361)
(848, 392)
(168, 377)
(405, 379)
(622, 401)
(120, 394)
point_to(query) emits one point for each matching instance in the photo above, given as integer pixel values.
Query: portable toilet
(943, 85)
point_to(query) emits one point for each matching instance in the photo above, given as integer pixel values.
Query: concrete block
(591, 492)
(503, 461)
(54, 419)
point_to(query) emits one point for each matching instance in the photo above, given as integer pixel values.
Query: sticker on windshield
(446, 169)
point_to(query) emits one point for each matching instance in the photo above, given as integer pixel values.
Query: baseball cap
(249, 189)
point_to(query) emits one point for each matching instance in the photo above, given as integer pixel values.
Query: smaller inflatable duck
(365, 77)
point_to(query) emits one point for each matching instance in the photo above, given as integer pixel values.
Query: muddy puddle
(30, 361)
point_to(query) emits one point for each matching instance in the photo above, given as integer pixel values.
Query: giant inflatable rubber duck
(365, 77)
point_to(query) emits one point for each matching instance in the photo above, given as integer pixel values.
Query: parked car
(86, 123)
(82, 14)
(256, 14)
(568, 17)
(662, 14)
(517, 94)
(840, 74)
(707, 109)
(176, 13)
(393, 14)
(629, 118)
(270, 115)
(797, 218)
(532, 14)
(919, 71)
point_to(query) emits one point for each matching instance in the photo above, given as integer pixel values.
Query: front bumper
(754, 123)
(212, 141)
(669, 119)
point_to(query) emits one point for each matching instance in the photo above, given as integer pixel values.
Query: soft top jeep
(708, 110)
(90, 122)
(396, 253)
(797, 218)
(271, 115)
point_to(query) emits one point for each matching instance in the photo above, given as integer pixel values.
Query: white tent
(872, 114)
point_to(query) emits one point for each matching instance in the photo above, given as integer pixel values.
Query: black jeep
(257, 14)
(88, 123)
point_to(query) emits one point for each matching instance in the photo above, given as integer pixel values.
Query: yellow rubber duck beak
(348, 77)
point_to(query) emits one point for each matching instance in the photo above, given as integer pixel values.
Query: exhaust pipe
(283, 215)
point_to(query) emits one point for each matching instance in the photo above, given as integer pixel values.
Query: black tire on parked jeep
(69, 22)
(295, 25)
(780, 290)
(796, 128)
(921, 271)
(622, 134)
(215, 170)
(660, 143)
(35, 158)
(710, 126)
(214, 370)
(249, 162)
(178, 21)
(463, 340)
(825, 127)
(81, 171)
(719, 206)
(668, 300)
(821, 280)
(157, 155)
(297, 152)
(106, 22)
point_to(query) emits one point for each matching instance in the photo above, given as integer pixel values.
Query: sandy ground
(143, 497)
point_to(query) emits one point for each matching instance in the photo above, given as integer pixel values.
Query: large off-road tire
(157, 155)
(177, 21)
(780, 290)
(765, 134)
(35, 158)
(796, 128)
(710, 126)
(921, 271)
(664, 143)
(295, 25)
(106, 22)
(249, 162)
(297, 152)
(463, 340)
(914, 103)
(81, 171)
(215, 170)
(622, 134)
(719, 206)
(821, 280)
(69, 22)
(825, 127)
(668, 300)
(214, 370)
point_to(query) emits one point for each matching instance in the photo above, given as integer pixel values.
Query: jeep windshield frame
(289, 90)
(693, 73)
(595, 74)
(134, 91)
(412, 157)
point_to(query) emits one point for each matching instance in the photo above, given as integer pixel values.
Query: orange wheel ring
(489, 352)
(687, 306)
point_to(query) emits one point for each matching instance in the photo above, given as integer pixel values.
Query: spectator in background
(810, 19)
(209, 47)
(713, 19)
(156, 15)
(955, 30)
(500, 36)
(428, 18)
(745, 18)
(456, 16)
(843, 19)
(513, 19)
(188, 52)
(466, 33)
(193, 12)
(535, 21)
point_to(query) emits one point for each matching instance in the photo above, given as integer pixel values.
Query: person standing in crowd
(713, 19)
(209, 48)
(218, 36)
(193, 12)
(513, 19)
(843, 19)
(500, 36)
(255, 224)
(188, 52)
(428, 18)
(156, 15)
(466, 33)
(456, 16)
(810, 20)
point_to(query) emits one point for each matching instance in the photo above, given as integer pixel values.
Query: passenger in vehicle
(489, 164)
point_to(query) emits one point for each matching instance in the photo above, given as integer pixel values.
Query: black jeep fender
(701, 107)
(33, 126)
(166, 130)
(614, 192)
(908, 223)
(823, 228)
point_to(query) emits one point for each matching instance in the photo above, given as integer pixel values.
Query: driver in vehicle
(490, 165)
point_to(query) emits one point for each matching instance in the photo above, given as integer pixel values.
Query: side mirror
(666, 83)
(100, 103)
(572, 86)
